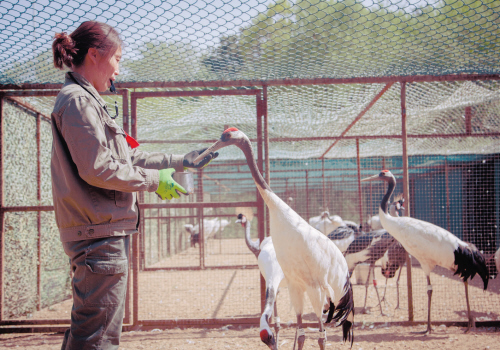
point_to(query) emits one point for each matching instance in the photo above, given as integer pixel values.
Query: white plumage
(274, 277)
(311, 263)
(431, 245)
(210, 228)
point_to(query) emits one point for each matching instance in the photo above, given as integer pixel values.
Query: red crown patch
(230, 129)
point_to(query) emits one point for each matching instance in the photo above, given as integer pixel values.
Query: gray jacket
(95, 173)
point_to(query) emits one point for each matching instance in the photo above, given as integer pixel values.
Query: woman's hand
(191, 156)
(168, 188)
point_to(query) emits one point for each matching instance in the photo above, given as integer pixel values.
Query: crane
(326, 223)
(368, 248)
(275, 279)
(394, 260)
(311, 263)
(210, 228)
(431, 245)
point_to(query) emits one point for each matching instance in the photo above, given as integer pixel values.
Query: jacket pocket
(116, 140)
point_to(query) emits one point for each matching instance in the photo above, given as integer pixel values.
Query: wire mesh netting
(257, 39)
(194, 263)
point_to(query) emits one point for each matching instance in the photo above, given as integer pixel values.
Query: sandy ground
(235, 293)
(228, 293)
(367, 337)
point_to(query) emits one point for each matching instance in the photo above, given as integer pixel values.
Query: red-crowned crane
(275, 279)
(311, 263)
(210, 228)
(395, 259)
(431, 245)
(369, 248)
(326, 223)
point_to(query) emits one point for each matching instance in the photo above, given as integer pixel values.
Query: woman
(96, 171)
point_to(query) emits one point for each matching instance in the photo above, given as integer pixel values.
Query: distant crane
(275, 279)
(431, 245)
(395, 259)
(369, 248)
(210, 228)
(311, 263)
(324, 223)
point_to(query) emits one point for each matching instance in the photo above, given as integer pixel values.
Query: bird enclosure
(318, 126)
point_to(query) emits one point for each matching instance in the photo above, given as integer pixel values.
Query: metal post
(446, 174)
(261, 208)
(201, 236)
(2, 213)
(266, 150)
(406, 193)
(126, 125)
(307, 195)
(360, 193)
(323, 180)
(468, 120)
(39, 217)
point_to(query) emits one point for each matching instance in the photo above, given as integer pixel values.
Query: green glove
(168, 187)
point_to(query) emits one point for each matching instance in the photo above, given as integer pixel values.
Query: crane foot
(300, 342)
(322, 343)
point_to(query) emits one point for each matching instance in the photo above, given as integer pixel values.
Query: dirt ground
(366, 337)
(211, 294)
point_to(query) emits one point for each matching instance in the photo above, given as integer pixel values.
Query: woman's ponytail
(70, 50)
(64, 50)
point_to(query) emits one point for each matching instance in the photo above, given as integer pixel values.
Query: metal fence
(178, 281)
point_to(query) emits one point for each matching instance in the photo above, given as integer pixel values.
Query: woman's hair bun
(64, 50)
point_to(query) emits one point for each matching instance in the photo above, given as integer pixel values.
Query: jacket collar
(84, 83)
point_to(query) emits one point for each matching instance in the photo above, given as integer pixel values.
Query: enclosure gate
(138, 242)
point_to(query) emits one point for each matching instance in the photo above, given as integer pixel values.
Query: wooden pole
(406, 193)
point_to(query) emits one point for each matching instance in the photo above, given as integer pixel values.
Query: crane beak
(371, 178)
(216, 146)
(238, 221)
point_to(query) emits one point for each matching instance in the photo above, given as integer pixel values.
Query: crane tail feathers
(348, 332)
(345, 312)
(470, 262)
(330, 313)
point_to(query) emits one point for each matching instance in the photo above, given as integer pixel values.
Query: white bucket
(361, 273)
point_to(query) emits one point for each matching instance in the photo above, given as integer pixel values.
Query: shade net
(260, 40)
(317, 136)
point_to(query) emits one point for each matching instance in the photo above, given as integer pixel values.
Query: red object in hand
(131, 141)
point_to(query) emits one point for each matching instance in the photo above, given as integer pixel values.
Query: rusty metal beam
(274, 82)
(152, 94)
(360, 115)
(2, 204)
(406, 193)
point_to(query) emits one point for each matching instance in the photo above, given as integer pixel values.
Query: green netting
(260, 39)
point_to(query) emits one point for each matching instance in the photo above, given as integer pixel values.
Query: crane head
(384, 175)
(242, 219)
(229, 137)
(268, 339)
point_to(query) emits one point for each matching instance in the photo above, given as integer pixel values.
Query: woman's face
(107, 69)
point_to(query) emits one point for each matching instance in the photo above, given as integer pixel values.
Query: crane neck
(384, 204)
(247, 149)
(252, 245)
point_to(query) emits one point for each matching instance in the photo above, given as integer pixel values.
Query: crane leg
(376, 290)
(429, 295)
(364, 311)
(471, 322)
(322, 335)
(300, 335)
(397, 287)
(385, 290)
(277, 325)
